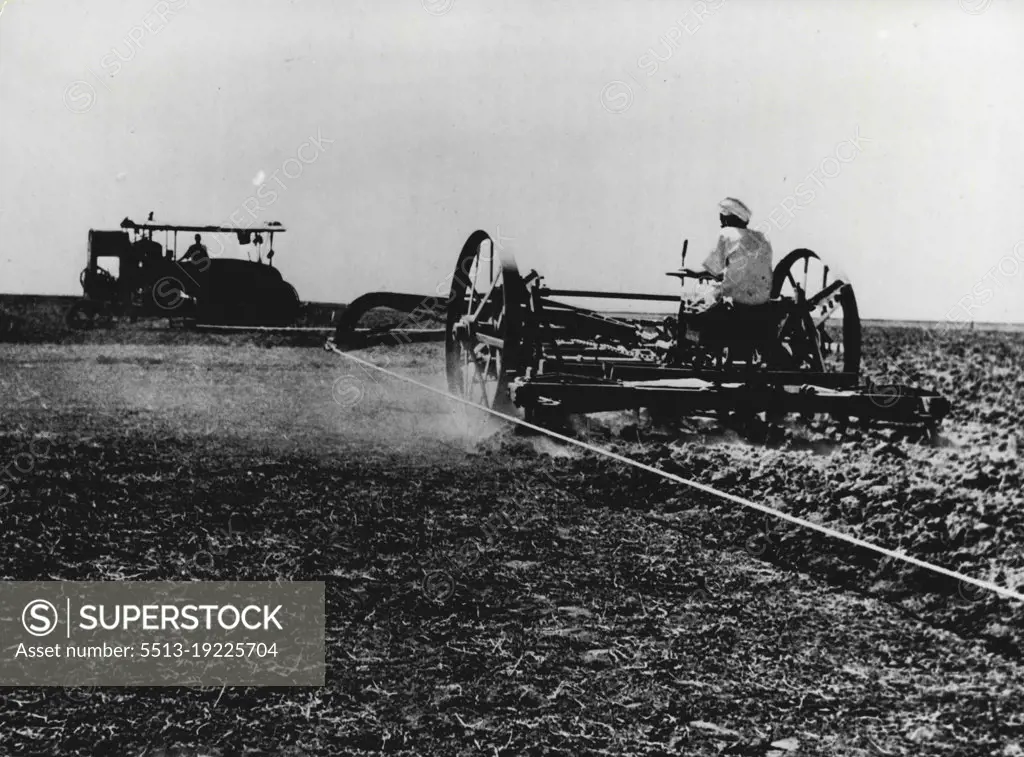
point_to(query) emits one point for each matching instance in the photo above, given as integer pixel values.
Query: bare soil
(493, 592)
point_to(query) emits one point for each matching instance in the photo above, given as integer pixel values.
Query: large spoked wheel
(483, 324)
(822, 332)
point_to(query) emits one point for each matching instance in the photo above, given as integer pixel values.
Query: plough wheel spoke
(826, 336)
(482, 328)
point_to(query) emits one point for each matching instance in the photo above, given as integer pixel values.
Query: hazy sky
(596, 134)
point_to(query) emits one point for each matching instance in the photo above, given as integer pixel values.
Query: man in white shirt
(742, 259)
(741, 263)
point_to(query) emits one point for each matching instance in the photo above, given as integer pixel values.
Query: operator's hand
(700, 275)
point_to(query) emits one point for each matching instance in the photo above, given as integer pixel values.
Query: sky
(592, 135)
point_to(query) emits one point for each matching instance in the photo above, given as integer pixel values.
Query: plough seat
(741, 323)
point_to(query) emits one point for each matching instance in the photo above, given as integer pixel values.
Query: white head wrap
(730, 206)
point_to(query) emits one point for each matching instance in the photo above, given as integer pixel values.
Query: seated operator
(196, 253)
(741, 262)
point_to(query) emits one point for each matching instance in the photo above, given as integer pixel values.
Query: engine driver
(196, 253)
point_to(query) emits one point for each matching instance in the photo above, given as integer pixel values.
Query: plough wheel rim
(514, 294)
(848, 300)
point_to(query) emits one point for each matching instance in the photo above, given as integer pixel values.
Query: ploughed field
(495, 592)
